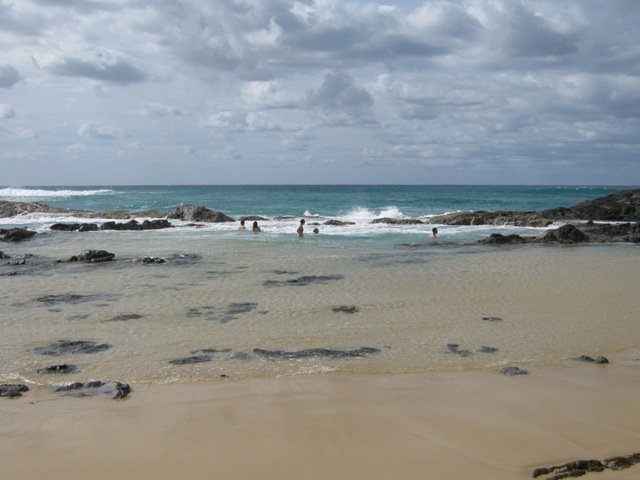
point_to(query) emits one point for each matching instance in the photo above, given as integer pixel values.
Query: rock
(492, 319)
(71, 347)
(303, 281)
(125, 317)
(598, 360)
(12, 390)
(511, 371)
(192, 360)
(481, 217)
(346, 309)
(397, 221)
(93, 256)
(619, 206)
(566, 234)
(338, 223)
(117, 390)
(3, 255)
(500, 239)
(135, 225)
(16, 234)
(198, 213)
(156, 260)
(454, 348)
(58, 369)
(486, 349)
(315, 352)
(74, 227)
(70, 298)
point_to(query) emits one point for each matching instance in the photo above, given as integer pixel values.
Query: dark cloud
(9, 76)
(340, 96)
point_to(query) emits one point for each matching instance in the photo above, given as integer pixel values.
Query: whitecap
(13, 192)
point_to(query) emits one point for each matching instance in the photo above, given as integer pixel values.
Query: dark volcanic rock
(525, 219)
(70, 298)
(115, 390)
(12, 390)
(202, 358)
(71, 347)
(125, 317)
(315, 352)
(579, 468)
(16, 234)
(58, 369)
(93, 256)
(198, 213)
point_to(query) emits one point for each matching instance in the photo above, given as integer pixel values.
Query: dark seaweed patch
(203, 358)
(315, 352)
(69, 347)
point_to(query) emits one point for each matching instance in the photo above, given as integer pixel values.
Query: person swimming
(256, 228)
(434, 232)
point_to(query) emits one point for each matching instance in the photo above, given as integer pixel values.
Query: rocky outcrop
(12, 390)
(513, 239)
(93, 256)
(198, 213)
(621, 206)
(74, 227)
(522, 219)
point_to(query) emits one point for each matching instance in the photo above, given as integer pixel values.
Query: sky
(134, 92)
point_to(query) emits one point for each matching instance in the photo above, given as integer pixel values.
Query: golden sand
(467, 425)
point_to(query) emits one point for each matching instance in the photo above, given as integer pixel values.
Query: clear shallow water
(261, 305)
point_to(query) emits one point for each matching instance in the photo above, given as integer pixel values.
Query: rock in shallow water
(115, 390)
(12, 390)
(69, 347)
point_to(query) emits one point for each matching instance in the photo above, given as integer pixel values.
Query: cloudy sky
(96, 92)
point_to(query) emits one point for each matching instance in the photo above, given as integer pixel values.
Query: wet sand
(444, 425)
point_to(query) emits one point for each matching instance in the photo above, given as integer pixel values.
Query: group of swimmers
(300, 231)
(256, 228)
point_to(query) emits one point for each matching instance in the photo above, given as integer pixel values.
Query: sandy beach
(411, 426)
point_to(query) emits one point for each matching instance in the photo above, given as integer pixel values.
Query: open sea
(363, 297)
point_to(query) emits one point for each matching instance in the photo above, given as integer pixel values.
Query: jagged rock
(12, 390)
(619, 206)
(93, 256)
(481, 217)
(198, 213)
(16, 234)
(155, 260)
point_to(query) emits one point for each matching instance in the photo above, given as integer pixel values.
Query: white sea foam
(13, 192)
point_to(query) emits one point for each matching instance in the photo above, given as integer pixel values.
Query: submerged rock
(346, 309)
(511, 371)
(598, 360)
(116, 390)
(12, 390)
(58, 369)
(135, 225)
(303, 281)
(71, 347)
(315, 352)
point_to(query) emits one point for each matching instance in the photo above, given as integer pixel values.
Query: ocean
(361, 297)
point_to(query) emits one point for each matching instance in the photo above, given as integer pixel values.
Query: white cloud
(6, 112)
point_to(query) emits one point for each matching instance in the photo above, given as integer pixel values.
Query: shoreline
(468, 424)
